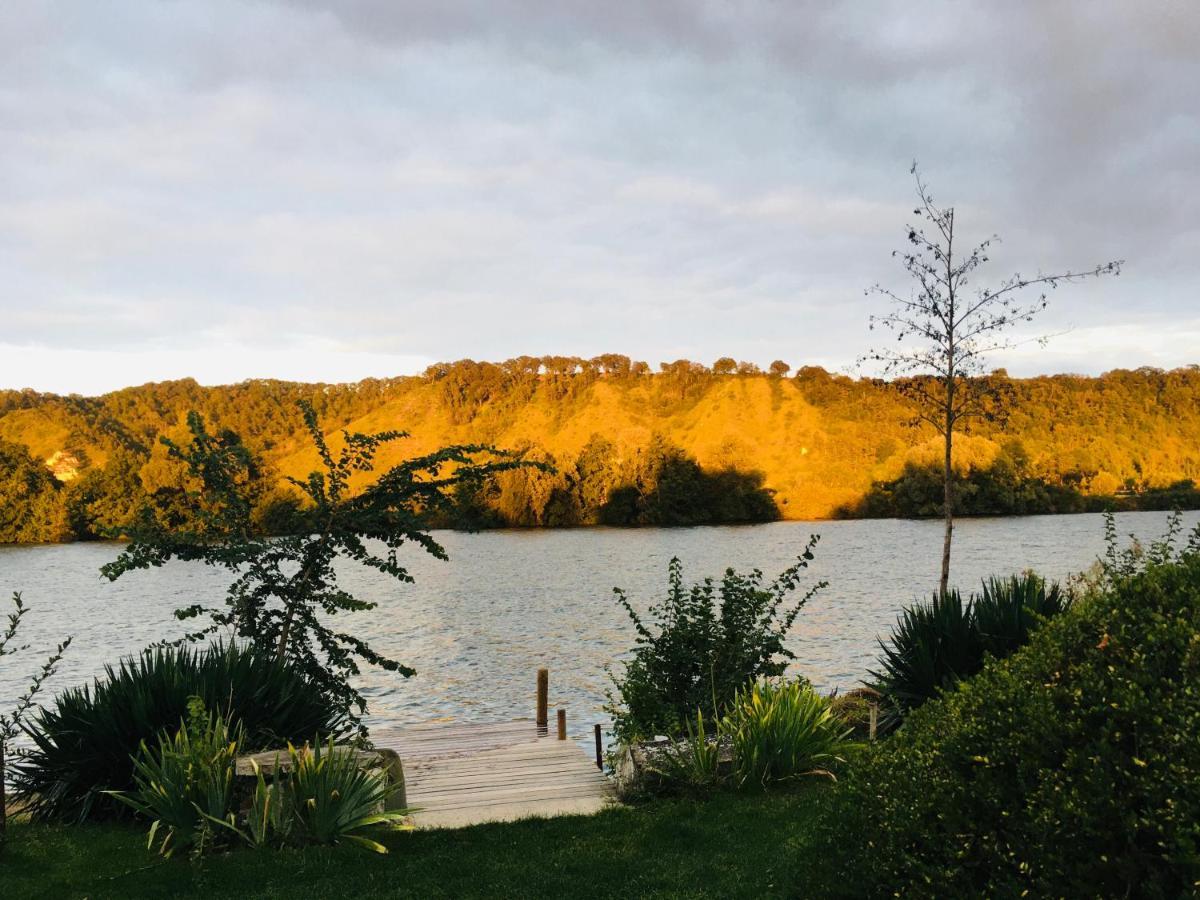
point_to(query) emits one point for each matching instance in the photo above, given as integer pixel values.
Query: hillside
(823, 444)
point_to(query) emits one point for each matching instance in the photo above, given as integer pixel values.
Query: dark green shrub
(84, 744)
(936, 644)
(184, 783)
(933, 645)
(1009, 609)
(1070, 769)
(783, 730)
(703, 645)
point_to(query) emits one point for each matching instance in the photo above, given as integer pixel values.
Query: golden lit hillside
(819, 440)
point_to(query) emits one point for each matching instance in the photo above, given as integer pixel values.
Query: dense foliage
(285, 593)
(658, 485)
(773, 731)
(783, 730)
(85, 742)
(31, 510)
(1070, 769)
(319, 795)
(184, 783)
(701, 645)
(936, 644)
(819, 440)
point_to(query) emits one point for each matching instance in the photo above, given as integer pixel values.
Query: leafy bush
(185, 783)
(781, 731)
(936, 644)
(774, 731)
(709, 642)
(331, 798)
(1070, 768)
(85, 743)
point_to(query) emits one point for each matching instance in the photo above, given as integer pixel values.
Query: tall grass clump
(184, 783)
(83, 745)
(783, 730)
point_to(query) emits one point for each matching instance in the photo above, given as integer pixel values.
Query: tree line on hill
(76, 467)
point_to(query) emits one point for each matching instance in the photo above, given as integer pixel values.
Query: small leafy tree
(285, 592)
(10, 723)
(703, 645)
(951, 327)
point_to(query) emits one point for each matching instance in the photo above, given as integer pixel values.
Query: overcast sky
(329, 191)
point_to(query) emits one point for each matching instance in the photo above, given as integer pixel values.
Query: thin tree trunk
(951, 361)
(947, 510)
(3, 798)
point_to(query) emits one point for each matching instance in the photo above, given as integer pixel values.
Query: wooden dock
(460, 774)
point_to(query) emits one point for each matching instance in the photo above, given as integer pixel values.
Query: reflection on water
(477, 627)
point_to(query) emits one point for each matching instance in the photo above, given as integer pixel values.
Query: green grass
(724, 846)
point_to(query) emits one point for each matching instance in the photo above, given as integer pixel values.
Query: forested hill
(681, 445)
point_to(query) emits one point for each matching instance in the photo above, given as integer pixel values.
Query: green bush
(703, 645)
(936, 644)
(780, 731)
(330, 798)
(185, 783)
(1070, 769)
(84, 744)
(1009, 609)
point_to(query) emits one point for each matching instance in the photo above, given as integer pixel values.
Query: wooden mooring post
(873, 724)
(543, 700)
(599, 747)
(562, 724)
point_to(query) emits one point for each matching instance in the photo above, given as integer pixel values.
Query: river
(477, 627)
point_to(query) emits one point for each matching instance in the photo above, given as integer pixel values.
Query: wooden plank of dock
(461, 774)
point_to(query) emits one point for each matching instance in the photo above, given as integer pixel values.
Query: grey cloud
(446, 179)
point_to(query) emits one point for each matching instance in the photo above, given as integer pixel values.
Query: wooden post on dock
(599, 748)
(562, 724)
(543, 700)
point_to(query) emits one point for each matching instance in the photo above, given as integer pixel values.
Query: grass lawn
(724, 846)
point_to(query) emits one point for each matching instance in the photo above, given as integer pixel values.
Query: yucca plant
(936, 644)
(333, 799)
(933, 645)
(185, 782)
(1009, 609)
(783, 730)
(84, 744)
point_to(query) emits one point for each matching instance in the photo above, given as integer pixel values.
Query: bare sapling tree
(946, 328)
(10, 723)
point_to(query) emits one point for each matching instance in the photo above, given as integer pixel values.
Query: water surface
(477, 627)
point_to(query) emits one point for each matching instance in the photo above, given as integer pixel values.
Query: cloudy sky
(328, 191)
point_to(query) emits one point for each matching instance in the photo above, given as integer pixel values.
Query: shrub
(1070, 768)
(936, 644)
(774, 731)
(707, 642)
(185, 784)
(781, 731)
(85, 743)
(332, 799)
(1009, 609)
